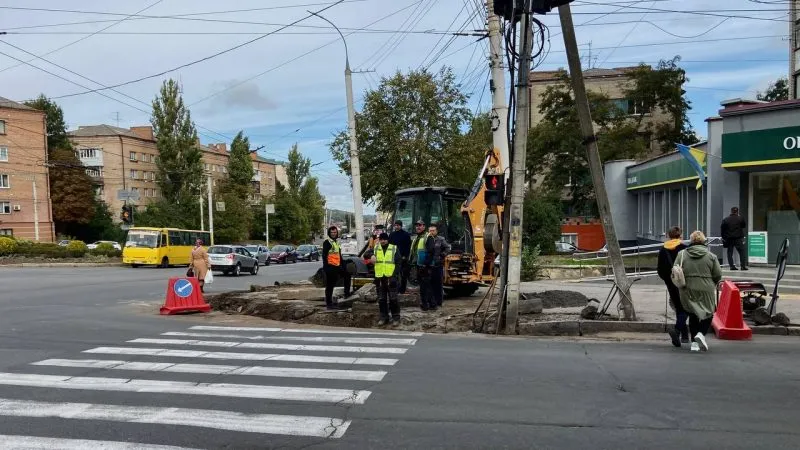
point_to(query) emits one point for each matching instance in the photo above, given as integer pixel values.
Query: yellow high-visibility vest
(384, 264)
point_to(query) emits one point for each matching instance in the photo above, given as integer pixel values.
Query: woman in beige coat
(200, 263)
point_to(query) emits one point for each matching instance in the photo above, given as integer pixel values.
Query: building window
(5, 182)
(99, 191)
(94, 172)
(134, 174)
(135, 189)
(2, 127)
(3, 154)
(133, 156)
(224, 169)
(207, 167)
(6, 232)
(5, 207)
(87, 153)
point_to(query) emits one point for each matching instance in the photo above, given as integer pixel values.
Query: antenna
(116, 117)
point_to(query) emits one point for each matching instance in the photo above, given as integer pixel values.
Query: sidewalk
(650, 301)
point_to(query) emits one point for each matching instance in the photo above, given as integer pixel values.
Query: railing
(636, 253)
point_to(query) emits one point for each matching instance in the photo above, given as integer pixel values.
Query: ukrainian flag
(697, 159)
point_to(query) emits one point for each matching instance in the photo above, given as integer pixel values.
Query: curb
(56, 265)
(582, 328)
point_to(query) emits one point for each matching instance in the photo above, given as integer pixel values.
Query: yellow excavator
(470, 226)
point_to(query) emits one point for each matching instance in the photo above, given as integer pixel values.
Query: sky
(282, 82)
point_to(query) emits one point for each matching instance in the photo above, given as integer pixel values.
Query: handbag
(190, 272)
(677, 275)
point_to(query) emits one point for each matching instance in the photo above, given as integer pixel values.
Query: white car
(94, 245)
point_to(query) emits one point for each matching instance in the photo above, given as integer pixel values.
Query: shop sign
(761, 147)
(757, 247)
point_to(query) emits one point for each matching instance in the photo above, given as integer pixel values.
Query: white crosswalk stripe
(288, 371)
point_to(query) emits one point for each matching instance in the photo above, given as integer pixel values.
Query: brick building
(25, 208)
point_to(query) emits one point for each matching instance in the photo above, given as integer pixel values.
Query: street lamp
(355, 169)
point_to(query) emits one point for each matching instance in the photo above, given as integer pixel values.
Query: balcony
(256, 186)
(90, 157)
(96, 174)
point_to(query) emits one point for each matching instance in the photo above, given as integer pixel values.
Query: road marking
(325, 427)
(42, 443)
(307, 394)
(305, 330)
(216, 369)
(241, 356)
(292, 347)
(340, 339)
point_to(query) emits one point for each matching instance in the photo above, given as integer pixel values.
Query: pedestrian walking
(417, 260)
(333, 267)
(666, 259)
(702, 272)
(436, 249)
(402, 240)
(200, 264)
(733, 231)
(386, 259)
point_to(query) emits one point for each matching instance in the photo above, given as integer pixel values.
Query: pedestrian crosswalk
(267, 382)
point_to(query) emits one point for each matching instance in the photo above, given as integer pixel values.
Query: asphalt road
(79, 370)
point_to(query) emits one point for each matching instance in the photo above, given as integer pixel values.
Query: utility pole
(595, 165)
(210, 210)
(498, 88)
(794, 48)
(518, 176)
(35, 211)
(202, 213)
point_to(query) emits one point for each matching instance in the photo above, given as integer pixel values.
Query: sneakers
(734, 268)
(685, 339)
(695, 347)
(675, 336)
(745, 268)
(700, 340)
(395, 321)
(383, 322)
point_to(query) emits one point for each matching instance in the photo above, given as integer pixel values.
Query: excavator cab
(440, 205)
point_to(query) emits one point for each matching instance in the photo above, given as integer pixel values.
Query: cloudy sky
(287, 85)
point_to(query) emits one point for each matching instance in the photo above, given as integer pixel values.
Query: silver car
(260, 252)
(232, 259)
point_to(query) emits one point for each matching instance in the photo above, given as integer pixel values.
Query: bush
(542, 222)
(531, 267)
(76, 249)
(105, 249)
(42, 250)
(8, 246)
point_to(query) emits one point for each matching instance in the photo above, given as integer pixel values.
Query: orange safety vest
(334, 254)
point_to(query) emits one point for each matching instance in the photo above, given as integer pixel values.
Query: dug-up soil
(303, 303)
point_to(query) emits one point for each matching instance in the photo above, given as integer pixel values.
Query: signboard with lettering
(757, 247)
(761, 147)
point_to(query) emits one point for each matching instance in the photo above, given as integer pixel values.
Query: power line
(394, 46)
(442, 37)
(386, 43)
(206, 58)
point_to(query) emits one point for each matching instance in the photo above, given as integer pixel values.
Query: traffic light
(495, 189)
(126, 215)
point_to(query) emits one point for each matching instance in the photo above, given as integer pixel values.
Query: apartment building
(118, 159)
(125, 159)
(25, 208)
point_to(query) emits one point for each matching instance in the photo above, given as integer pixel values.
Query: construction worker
(332, 265)
(417, 259)
(436, 248)
(402, 240)
(373, 240)
(386, 259)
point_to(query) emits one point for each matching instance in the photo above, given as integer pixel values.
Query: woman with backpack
(666, 259)
(696, 273)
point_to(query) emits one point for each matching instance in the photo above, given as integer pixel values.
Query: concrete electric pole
(210, 210)
(595, 165)
(794, 49)
(355, 169)
(498, 87)
(518, 176)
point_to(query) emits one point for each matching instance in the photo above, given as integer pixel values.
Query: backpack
(678, 278)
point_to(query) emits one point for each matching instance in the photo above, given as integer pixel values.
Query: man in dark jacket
(386, 259)
(417, 262)
(666, 259)
(733, 232)
(436, 248)
(402, 240)
(334, 267)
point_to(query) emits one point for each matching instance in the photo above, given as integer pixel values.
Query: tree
(542, 222)
(408, 135)
(71, 191)
(240, 166)
(180, 167)
(234, 224)
(777, 90)
(101, 227)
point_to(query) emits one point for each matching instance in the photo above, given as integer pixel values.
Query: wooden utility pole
(518, 176)
(595, 165)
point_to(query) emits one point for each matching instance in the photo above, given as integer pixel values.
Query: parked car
(94, 245)
(565, 248)
(232, 260)
(308, 252)
(261, 253)
(63, 242)
(283, 254)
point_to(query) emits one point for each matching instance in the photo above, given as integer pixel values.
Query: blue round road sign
(183, 288)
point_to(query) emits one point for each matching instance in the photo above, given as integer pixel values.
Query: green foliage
(163, 213)
(542, 222)
(8, 246)
(180, 167)
(240, 166)
(232, 225)
(45, 250)
(409, 134)
(54, 118)
(777, 90)
(531, 263)
(76, 249)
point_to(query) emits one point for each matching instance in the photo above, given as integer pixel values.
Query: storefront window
(776, 210)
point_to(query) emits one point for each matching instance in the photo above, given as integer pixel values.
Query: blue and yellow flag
(696, 159)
